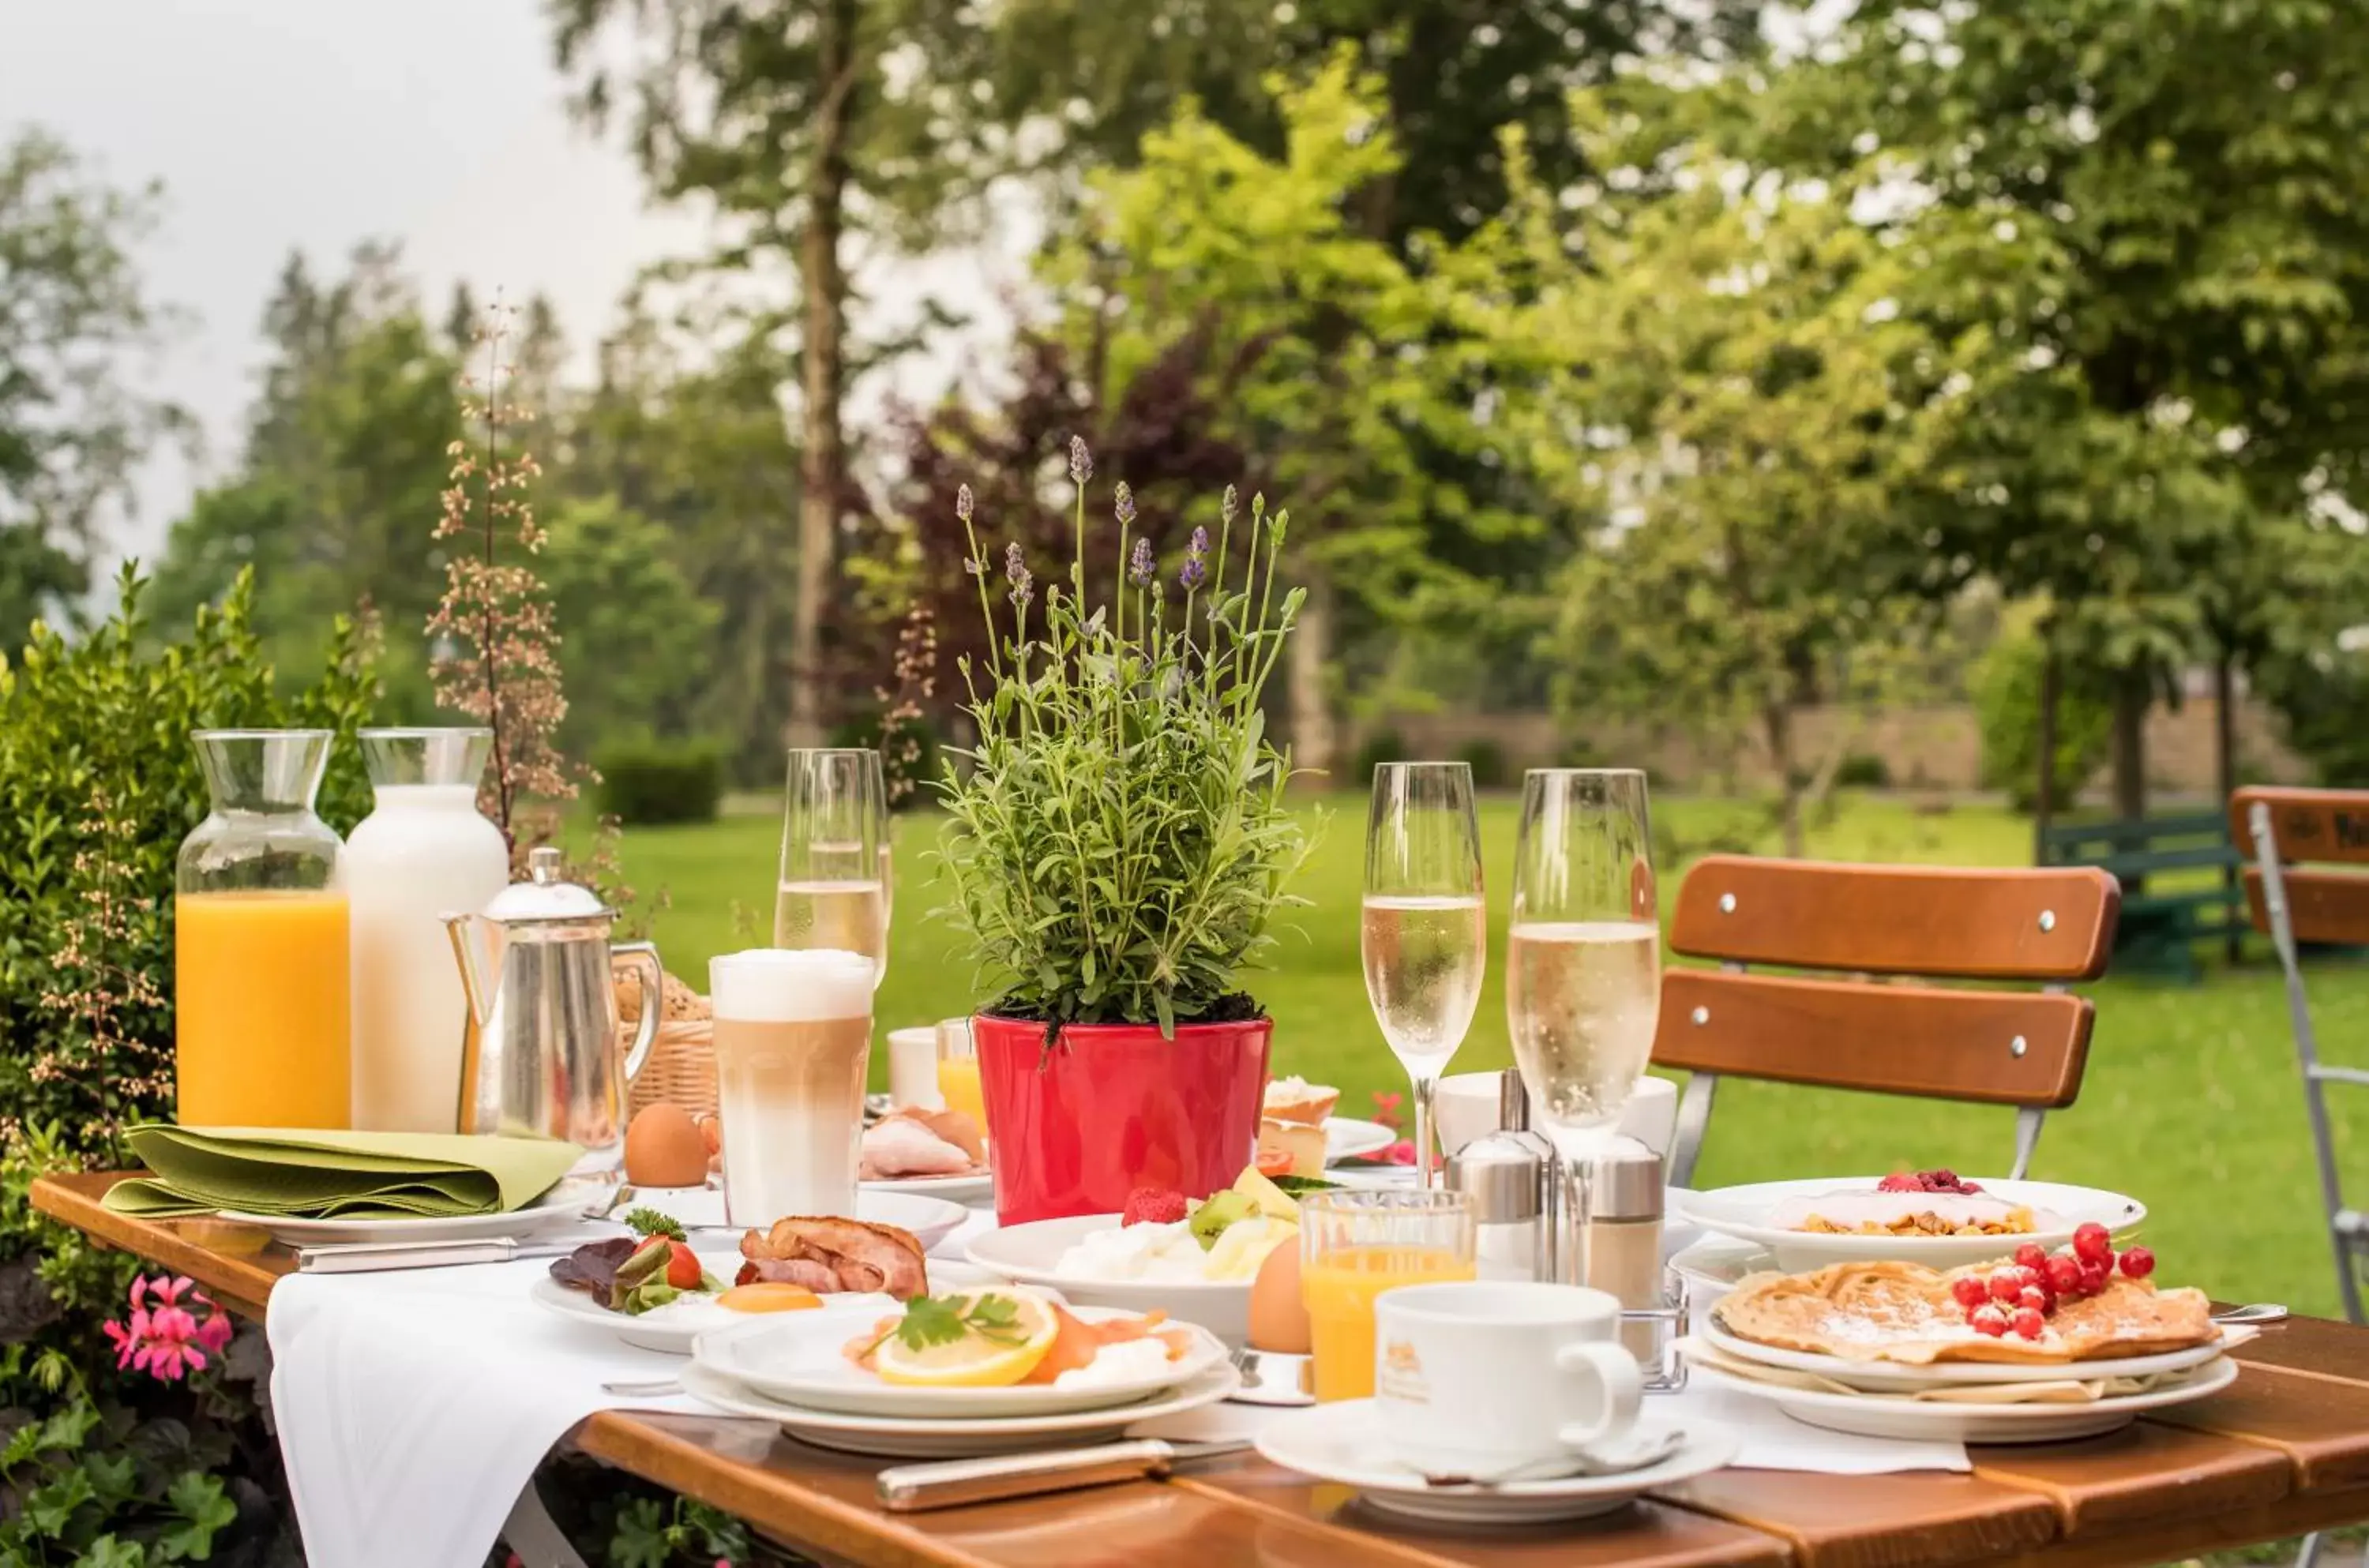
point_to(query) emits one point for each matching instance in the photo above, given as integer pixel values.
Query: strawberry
(1152, 1205)
(1900, 1182)
(682, 1266)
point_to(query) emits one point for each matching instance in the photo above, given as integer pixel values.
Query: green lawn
(2191, 1101)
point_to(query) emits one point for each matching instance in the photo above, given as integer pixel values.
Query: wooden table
(2285, 1450)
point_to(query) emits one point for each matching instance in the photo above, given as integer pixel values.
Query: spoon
(649, 1390)
(2252, 1312)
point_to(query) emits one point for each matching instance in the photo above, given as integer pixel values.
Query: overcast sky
(316, 123)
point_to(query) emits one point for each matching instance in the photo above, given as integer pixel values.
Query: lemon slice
(974, 1361)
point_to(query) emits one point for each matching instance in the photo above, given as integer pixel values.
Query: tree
(634, 635)
(75, 423)
(805, 122)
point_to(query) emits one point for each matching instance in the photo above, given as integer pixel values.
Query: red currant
(2030, 1276)
(2093, 1277)
(1991, 1319)
(2064, 1275)
(2031, 1254)
(2033, 1296)
(1970, 1290)
(2029, 1323)
(2005, 1284)
(2138, 1263)
(2093, 1243)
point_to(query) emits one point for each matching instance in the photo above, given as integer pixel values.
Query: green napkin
(302, 1174)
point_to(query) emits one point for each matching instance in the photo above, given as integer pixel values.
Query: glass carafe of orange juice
(262, 1030)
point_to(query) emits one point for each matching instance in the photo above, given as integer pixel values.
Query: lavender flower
(1138, 565)
(962, 503)
(1023, 586)
(1232, 504)
(1197, 559)
(1081, 462)
(1124, 504)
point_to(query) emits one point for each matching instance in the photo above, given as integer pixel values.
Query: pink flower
(166, 1339)
(1385, 1108)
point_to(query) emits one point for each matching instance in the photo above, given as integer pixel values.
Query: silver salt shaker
(1624, 1232)
(1512, 1178)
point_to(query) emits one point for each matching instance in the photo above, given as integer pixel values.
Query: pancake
(1904, 1312)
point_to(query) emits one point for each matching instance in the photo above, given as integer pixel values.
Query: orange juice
(959, 1087)
(1339, 1290)
(262, 1034)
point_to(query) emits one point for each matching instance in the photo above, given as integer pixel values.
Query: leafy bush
(1380, 746)
(1487, 761)
(1862, 770)
(2320, 698)
(2006, 711)
(1122, 843)
(657, 780)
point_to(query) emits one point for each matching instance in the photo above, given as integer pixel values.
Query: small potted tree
(1118, 848)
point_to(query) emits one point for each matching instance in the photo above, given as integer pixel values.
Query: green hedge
(661, 782)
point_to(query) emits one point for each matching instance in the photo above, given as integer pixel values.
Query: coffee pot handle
(642, 958)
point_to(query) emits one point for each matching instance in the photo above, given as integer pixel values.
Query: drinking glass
(1424, 930)
(1584, 955)
(792, 1038)
(1354, 1244)
(834, 889)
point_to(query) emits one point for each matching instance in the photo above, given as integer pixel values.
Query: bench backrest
(2001, 1047)
(2315, 832)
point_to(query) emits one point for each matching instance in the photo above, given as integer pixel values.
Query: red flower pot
(1113, 1107)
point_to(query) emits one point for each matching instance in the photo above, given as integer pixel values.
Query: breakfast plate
(962, 1189)
(795, 1359)
(1891, 1415)
(1031, 1253)
(671, 1329)
(1349, 1138)
(930, 1217)
(956, 1438)
(1342, 1443)
(1884, 1375)
(1757, 1213)
(567, 1203)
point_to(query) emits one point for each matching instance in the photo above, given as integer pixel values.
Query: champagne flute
(832, 890)
(1424, 932)
(1583, 954)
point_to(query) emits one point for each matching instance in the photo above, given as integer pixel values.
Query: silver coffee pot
(540, 1057)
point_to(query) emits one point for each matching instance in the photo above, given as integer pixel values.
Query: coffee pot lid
(544, 898)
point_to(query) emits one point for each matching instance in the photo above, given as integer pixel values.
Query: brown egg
(664, 1148)
(1278, 1316)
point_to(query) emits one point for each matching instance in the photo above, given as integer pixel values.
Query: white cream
(1165, 1252)
(1133, 1361)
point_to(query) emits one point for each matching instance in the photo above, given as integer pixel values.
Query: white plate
(1027, 1253)
(955, 1189)
(563, 1204)
(892, 1438)
(1743, 1212)
(1349, 1138)
(1935, 1421)
(795, 1359)
(930, 1217)
(1341, 1443)
(1895, 1375)
(671, 1333)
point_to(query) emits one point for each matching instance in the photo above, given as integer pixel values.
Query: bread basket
(682, 1066)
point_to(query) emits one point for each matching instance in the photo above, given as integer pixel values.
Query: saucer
(1341, 1443)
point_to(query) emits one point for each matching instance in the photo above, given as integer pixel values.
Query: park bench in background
(2024, 1048)
(2161, 923)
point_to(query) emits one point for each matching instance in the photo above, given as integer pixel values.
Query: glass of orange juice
(958, 1083)
(1355, 1244)
(262, 1030)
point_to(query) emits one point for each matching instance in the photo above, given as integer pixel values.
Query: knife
(372, 1257)
(947, 1484)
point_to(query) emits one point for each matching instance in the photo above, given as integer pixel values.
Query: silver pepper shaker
(1624, 1232)
(1511, 1176)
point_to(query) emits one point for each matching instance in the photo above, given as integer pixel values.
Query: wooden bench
(2161, 926)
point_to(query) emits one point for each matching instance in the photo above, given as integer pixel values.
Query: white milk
(424, 853)
(793, 1037)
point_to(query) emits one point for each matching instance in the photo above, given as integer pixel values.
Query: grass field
(2191, 1101)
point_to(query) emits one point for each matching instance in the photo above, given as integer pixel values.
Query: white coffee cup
(1487, 1379)
(913, 1068)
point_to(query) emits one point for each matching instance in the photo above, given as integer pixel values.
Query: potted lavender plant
(1118, 848)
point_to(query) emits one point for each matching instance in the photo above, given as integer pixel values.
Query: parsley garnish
(931, 1321)
(651, 1223)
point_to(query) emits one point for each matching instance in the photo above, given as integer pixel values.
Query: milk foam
(776, 985)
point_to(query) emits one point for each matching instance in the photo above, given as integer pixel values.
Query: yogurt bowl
(1073, 1257)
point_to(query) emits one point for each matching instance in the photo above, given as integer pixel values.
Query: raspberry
(2093, 1243)
(2031, 1255)
(2064, 1274)
(2138, 1263)
(1992, 1320)
(2029, 1323)
(1970, 1290)
(1152, 1205)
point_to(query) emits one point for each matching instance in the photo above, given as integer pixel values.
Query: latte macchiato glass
(793, 1037)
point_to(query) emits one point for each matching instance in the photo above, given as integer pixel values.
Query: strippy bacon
(859, 1256)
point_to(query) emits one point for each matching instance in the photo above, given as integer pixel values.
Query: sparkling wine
(848, 915)
(1424, 958)
(1581, 998)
